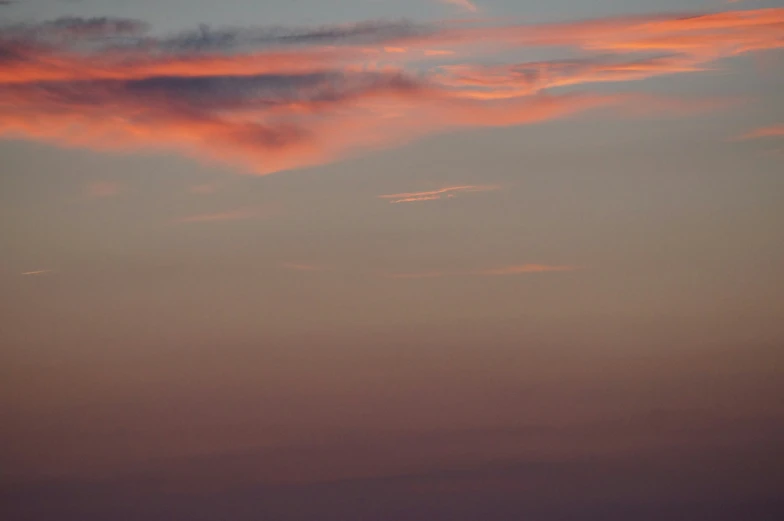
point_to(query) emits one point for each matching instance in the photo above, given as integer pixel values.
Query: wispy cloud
(69, 29)
(449, 192)
(417, 275)
(526, 79)
(232, 215)
(518, 269)
(376, 32)
(772, 131)
(277, 99)
(466, 5)
(703, 37)
(37, 272)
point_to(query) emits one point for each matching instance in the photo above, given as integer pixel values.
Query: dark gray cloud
(126, 32)
(267, 89)
(10, 52)
(202, 94)
(102, 26)
(74, 29)
(79, 73)
(206, 38)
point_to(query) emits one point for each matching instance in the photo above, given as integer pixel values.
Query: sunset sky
(432, 260)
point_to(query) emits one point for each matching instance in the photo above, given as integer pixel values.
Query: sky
(438, 260)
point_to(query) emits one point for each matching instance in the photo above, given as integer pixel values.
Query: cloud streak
(357, 34)
(772, 131)
(518, 269)
(433, 195)
(268, 100)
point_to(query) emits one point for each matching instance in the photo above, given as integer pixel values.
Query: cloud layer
(273, 99)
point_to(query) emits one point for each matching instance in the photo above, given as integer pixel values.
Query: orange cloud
(709, 36)
(449, 192)
(526, 79)
(772, 131)
(36, 65)
(280, 135)
(268, 111)
(692, 42)
(438, 52)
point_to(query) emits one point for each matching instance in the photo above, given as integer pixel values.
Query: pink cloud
(267, 111)
(772, 131)
(266, 140)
